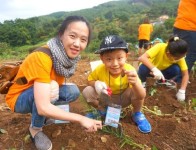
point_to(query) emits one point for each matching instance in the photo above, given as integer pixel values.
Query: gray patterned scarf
(63, 65)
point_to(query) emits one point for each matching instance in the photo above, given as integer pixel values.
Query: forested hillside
(116, 17)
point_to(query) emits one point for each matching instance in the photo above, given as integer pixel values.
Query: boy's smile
(114, 61)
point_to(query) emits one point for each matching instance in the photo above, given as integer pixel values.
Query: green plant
(125, 139)
(193, 101)
(152, 91)
(155, 111)
(194, 70)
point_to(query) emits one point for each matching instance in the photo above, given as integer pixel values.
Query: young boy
(118, 80)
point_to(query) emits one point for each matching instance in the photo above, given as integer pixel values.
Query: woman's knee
(69, 92)
(54, 91)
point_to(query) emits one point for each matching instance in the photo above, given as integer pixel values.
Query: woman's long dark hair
(71, 19)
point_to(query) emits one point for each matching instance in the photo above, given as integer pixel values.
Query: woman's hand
(90, 125)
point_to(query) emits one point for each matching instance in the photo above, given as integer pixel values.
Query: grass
(117, 132)
(124, 139)
(18, 53)
(194, 70)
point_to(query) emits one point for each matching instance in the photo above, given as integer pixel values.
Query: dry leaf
(103, 139)
(3, 131)
(71, 143)
(56, 133)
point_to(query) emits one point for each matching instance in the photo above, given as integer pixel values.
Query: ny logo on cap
(109, 40)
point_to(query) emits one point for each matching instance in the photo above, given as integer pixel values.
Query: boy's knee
(89, 94)
(87, 91)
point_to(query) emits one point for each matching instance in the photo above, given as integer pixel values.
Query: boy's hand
(132, 77)
(100, 87)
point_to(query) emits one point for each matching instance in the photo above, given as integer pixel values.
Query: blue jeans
(189, 37)
(172, 72)
(26, 104)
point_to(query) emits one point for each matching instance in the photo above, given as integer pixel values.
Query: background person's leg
(173, 72)
(143, 72)
(189, 37)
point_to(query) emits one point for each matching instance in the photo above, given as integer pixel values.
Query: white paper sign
(65, 108)
(112, 116)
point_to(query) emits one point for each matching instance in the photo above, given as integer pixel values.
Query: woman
(46, 76)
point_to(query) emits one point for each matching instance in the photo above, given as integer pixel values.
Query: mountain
(154, 8)
(115, 17)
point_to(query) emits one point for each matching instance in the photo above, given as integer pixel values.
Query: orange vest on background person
(186, 18)
(144, 31)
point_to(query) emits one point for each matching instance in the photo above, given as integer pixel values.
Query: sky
(23, 9)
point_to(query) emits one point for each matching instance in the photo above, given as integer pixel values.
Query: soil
(174, 129)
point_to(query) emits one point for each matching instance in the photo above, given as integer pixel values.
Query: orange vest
(145, 31)
(36, 67)
(186, 18)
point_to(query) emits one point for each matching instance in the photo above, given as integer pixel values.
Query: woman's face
(114, 61)
(75, 38)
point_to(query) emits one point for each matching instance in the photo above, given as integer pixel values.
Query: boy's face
(114, 61)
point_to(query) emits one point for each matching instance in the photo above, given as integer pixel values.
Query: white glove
(157, 74)
(180, 95)
(100, 87)
(54, 91)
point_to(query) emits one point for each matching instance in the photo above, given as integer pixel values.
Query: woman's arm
(45, 108)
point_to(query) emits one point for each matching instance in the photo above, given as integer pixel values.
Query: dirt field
(174, 129)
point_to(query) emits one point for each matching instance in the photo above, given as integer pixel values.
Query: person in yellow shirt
(185, 28)
(166, 61)
(118, 80)
(46, 81)
(144, 32)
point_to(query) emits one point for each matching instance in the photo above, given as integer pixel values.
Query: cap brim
(111, 48)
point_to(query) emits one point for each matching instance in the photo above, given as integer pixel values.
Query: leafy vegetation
(117, 17)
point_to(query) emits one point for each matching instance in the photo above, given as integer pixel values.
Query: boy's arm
(139, 90)
(155, 71)
(91, 83)
(135, 83)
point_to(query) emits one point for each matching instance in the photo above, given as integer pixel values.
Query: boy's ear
(101, 57)
(127, 55)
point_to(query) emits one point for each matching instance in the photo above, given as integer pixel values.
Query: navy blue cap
(112, 42)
